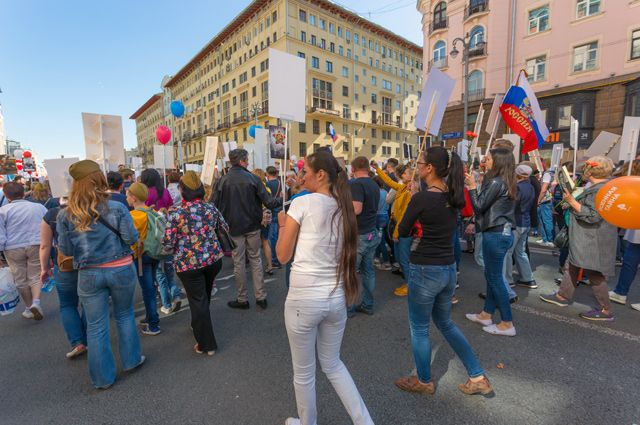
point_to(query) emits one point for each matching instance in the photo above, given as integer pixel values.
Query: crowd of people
(329, 227)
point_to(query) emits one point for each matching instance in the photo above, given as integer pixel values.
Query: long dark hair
(448, 165)
(504, 166)
(341, 192)
(151, 178)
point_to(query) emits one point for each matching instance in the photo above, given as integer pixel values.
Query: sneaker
(27, 314)
(78, 350)
(530, 285)
(514, 300)
(395, 265)
(454, 300)
(143, 321)
(618, 262)
(482, 387)
(597, 315)
(413, 385)
(37, 312)
(482, 295)
(558, 280)
(376, 262)
(384, 267)
(365, 310)
(553, 299)
(177, 303)
(512, 284)
(239, 305)
(165, 310)
(152, 332)
(402, 290)
(549, 244)
(540, 241)
(495, 330)
(617, 298)
(196, 348)
(474, 318)
(292, 421)
(457, 285)
(636, 306)
(261, 303)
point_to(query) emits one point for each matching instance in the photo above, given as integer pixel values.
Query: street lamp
(466, 46)
(256, 109)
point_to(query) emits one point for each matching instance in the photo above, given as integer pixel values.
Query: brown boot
(412, 384)
(481, 387)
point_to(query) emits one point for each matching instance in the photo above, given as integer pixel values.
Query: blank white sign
(287, 86)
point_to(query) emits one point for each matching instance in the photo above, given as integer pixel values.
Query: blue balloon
(177, 108)
(252, 130)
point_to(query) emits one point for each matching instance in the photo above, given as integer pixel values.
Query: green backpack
(156, 226)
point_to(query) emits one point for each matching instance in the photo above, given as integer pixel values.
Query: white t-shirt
(317, 254)
(632, 236)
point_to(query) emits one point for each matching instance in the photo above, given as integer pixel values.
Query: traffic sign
(453, 135)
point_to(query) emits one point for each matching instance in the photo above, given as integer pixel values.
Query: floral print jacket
(191, 234)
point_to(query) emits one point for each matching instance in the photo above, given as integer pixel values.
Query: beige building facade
(362, 79)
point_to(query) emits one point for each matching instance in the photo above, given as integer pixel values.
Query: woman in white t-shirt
(322, 229)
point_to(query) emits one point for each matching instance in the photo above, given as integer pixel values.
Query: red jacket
(467, 211)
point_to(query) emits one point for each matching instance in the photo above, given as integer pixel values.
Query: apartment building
(582, 58)
(148, 117)
(362, 79)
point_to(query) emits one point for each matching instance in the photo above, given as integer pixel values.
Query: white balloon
(294, 158)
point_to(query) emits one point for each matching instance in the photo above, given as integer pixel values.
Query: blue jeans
(430, 292)
(166, 278)
(629, 268)
(95, 286)
(457, 249)
(367, 244)
(273, 239)
(517, 252)
(402, 249)
(287, 273)
(495, 246)
(148, 287)
(477, 253)
(381, 249)
(545, 217)
(73, 319)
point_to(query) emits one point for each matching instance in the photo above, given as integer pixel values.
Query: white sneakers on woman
(495, 330)
(292, 421)
(476, 319)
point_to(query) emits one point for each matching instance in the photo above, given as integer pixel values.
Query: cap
(82, 169)
(191, 180)
(140, 191)
(523, 170)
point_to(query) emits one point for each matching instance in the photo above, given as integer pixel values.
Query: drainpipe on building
(286, 24)
(512, 48)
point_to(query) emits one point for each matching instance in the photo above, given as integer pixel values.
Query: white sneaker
(476, 319)
(165, 310)
(617, 298)
(549, 244)
(27, 314)
(292, 421)
(636, 306)
(376, 261)
(540, 241)
(494, 330)
(37, 312)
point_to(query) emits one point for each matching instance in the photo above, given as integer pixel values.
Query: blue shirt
(524, 201)
(20, 224)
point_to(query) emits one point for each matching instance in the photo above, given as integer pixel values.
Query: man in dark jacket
(240, 196)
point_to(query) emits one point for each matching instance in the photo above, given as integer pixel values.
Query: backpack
(156, 226)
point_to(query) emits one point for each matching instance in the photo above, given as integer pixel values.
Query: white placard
(58, 172)
(261, 149)
(104, 140)
(287, 86)
(250, 148)
(440, 85)
(556, 156)
(574, 129)
(629, 142)
(228, 147)
(135, 162)
(494, 115)
(193, 167)
(605, 144)
(515, 139)
(160, 162)
(209, 162)
(463, 150)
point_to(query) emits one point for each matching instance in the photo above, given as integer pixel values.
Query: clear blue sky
(61, 58)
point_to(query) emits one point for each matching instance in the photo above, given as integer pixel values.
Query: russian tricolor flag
(332, 133)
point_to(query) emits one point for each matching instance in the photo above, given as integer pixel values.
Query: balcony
(475, 95)
(438, 25)
(477, 52)
(346, 115)
(320, 110)
(475, 7)
(440, 63)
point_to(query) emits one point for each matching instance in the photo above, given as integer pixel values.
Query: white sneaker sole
(474, 318)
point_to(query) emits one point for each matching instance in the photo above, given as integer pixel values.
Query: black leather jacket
(492, 206)
(239, 196)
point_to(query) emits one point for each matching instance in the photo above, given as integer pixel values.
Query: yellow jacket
(403, 196)
(140, 222)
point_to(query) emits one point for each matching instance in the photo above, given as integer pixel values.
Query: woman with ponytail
(432, 270)
(321, 228)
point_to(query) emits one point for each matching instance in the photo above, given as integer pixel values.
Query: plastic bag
(9, 297)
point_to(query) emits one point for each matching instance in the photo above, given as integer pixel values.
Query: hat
(82, 169)
(523, 170)
(140, 191)
(191, 180)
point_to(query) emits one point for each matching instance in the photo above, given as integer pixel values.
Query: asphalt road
(558, 370)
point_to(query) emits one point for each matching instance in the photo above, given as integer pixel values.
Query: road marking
(224, 278)
(576, 322)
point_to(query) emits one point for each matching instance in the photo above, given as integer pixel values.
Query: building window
(254, 91)
(314, 40)
(477, 36)
(329, 66)
(345, 146)
(323, 24)
(264, 89)
(340, 32)
(635, 45)
(440, 54)
(585, 57)
(586, 8)
(536, 68)
(564, 116)
(303, 149)
(301, 55)
(476, 86)
(440, 16)
(386, 110)
(274, 17)
(322, 94)
(539, 20)
(302, 15)
(346, 112)
(345, 71)
(345, 91)
(398, 88)
(316, 127)
(374, 98)
(386, 84)
(323, 43)
(374, 80)
(312, 20)
(302, 127)
(373, 149)
(303, 36)
(315, 62)
(374, 133)
(332, 47)
(244, 104)
(340, 50)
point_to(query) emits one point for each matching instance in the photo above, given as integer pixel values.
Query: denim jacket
(98, 245)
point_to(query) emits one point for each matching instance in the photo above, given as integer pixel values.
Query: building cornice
(153, 99)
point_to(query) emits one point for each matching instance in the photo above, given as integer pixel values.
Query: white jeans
(320, 322)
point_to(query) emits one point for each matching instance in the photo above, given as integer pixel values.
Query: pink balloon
(163, 134)
(300, 164)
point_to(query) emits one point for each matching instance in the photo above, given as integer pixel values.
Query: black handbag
(562, 238)
(224, 238)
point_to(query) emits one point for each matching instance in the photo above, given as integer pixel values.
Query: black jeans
(198, 283)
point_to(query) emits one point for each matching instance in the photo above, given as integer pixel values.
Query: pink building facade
(582, 57)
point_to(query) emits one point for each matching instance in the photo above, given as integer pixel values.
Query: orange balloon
(618, 202)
